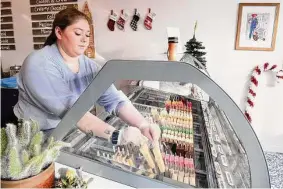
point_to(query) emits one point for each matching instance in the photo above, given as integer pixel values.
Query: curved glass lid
(225, 146)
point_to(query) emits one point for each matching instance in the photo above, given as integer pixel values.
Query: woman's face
(75, 38)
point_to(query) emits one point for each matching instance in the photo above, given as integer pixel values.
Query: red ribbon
(252, 92)
(265, 65)
(273, 67)
(250, 102)
(254, 81)
(248, 116)
(258, 70)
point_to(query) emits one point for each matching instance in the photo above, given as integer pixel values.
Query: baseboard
(272, 148)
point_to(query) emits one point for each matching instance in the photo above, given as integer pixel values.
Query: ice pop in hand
(158, 157)
(144, 149)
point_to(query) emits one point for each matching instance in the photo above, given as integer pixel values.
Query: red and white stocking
(112, 20)
(122, 20)
(149, 19)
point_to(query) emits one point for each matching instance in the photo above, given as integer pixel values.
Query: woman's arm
(117, 103)
(131, 115)
(94, 126)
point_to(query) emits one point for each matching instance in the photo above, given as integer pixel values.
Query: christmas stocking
(135, 20)
(111, 21)
(148, 20)
(122, 20)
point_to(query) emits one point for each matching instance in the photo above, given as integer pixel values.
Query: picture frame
(257, 26)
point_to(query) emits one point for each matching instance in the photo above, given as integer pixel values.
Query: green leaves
(36, 150)
(25, 156)
(36, 140)
(71, 179)
(24, 133)
(11, 131)
(34, 128)
(15, 166)
(50, 142)
(4, 141)
(24, 151)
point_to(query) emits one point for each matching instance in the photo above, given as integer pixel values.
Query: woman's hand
(131, 135)
(151, 131)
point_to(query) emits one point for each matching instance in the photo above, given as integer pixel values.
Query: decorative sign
(90, 51)
(52, 8)
(8, 47)
(43, 13)
(43, 17)
(39, 39)
(42, 24)
(7, 34)
(6, 19)
(7, 28)
(37, 46)
(6, 4)
(6, 12)
(7, 40)
(41, 32)
(44, 2)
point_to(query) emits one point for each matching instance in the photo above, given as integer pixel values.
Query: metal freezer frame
(159, 71)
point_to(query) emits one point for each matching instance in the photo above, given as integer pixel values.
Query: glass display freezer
(204, 143)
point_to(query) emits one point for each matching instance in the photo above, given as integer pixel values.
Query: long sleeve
(48, 90)
(112, 99)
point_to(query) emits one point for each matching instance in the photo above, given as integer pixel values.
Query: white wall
(216, 29)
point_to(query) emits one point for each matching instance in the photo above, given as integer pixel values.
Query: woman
(52, 79)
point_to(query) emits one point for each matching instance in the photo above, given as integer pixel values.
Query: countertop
(275, 166)
(274, 162)
(98, 182)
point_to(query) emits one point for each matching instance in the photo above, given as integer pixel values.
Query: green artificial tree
(195, 48)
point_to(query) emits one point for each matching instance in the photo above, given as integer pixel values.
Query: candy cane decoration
(254, 84)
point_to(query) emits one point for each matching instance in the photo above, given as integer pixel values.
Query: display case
(204, 143)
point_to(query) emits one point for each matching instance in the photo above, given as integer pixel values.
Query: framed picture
(257, 26)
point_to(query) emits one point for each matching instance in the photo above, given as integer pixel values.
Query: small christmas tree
(194, 48)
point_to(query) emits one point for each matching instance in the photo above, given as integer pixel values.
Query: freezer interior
(198, 144)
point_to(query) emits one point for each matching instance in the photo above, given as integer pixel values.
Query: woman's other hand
(131, 135)
(151, 131)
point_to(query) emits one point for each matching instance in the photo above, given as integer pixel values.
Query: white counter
(98, 182)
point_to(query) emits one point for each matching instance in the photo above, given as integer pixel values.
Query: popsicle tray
(146, 99)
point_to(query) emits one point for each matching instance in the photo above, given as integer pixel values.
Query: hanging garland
(254, 84)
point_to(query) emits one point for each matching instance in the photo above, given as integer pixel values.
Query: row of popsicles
(183, 105)
(173, 117)
(177, 135)
(179, 168)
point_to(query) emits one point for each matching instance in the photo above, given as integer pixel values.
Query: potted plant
(27, 157)
(71, 179)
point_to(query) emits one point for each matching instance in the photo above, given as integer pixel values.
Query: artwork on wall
(7, 27)
(257, 26)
